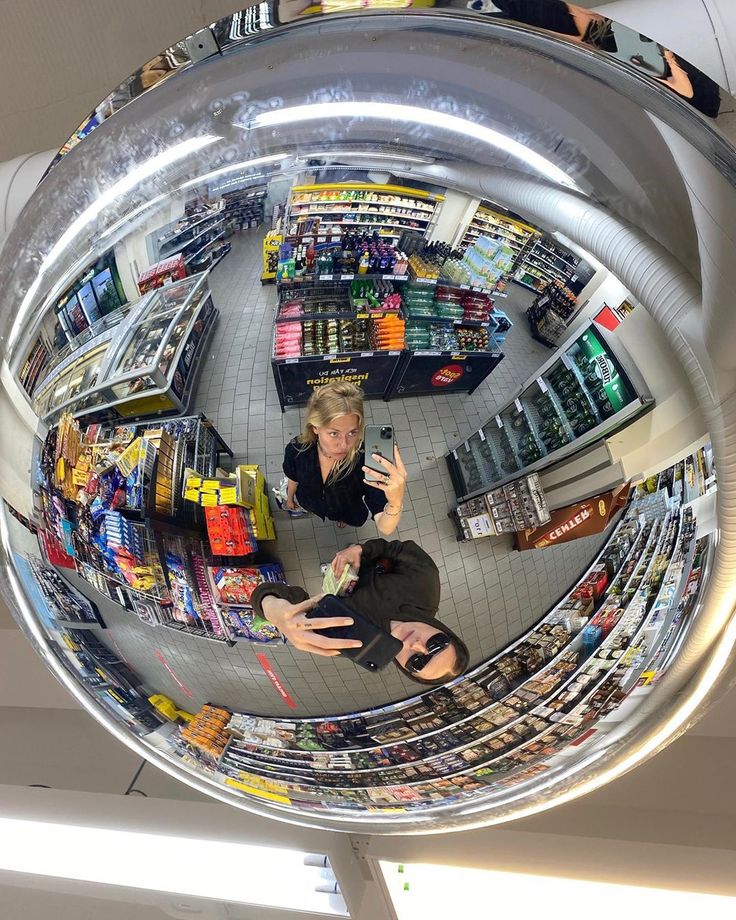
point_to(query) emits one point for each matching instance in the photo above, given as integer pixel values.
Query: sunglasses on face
(435, 644)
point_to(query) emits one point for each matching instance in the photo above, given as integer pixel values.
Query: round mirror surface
(363, 396)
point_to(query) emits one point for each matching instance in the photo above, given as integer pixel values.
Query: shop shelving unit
(66, 605)
(489, 222)
(354, 762)
(244, 208)
(357, 773)
(185, 236)
(554, 414)
(108, 679)
(545, 260)
(320, 213)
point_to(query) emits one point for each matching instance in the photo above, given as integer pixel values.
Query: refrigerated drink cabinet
(583, 393)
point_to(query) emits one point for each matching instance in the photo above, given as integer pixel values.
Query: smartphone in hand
(378, 439)
(379, 647)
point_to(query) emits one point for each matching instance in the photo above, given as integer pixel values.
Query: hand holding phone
(294, 623)
(392, 478)
(378, 439)
(376, 647)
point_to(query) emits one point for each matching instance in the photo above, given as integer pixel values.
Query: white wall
(131, 254)
(453, 216)
(18, 179)
(685, 26)
(676, 423)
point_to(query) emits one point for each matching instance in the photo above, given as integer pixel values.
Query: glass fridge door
(600, 373)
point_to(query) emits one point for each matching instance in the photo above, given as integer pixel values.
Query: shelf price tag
(325, 277)
(566, 360)
(292, 361)
(499, 422)
(542, 385)
(366, 354)
(482, 434)
(361, 315)
(466, 445)
(519, 407)
(346, 277)
(454, 454)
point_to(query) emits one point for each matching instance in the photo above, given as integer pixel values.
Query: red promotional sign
(272, 676)
(608, 319)
(447, 375)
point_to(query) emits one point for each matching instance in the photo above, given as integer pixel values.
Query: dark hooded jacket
(397, 581)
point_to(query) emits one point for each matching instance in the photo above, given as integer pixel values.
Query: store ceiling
(57, 60)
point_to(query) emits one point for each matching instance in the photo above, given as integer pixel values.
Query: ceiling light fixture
(234, 167)
(366, 154)
(410, 114)
(246, 873)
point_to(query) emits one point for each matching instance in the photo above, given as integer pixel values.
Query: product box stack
(164, 272)
(482, 265)
(252, 483)
(123, 535)
(207, 731)
(164, 480)
(519, 505)
(228, 531)
(236, 509)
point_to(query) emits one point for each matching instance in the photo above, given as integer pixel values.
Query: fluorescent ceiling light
(437, 892)
(244, 873)
(144, 171)
(234, 167)
(367, 154)
(410, 114)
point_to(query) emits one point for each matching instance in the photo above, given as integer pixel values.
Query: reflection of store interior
(515, 370)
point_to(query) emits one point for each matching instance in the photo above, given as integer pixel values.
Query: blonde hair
(331, 401)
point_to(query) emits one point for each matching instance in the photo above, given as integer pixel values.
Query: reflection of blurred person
(692, 84)
(571, 22)
(324, 465)
(398, 589)
(579, 25)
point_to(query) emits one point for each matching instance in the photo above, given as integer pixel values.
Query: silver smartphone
(378, 439)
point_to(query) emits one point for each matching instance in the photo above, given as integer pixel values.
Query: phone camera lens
(386, 433)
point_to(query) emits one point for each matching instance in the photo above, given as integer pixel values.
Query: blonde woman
(324, 465)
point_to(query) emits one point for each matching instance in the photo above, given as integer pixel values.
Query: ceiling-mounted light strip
(245, 873)
(434, 892)
(234, 167)
(410, 114)
(366, 154)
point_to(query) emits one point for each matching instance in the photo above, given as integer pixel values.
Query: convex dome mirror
(491, 219)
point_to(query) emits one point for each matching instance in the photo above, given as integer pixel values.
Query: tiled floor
(490, 593)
